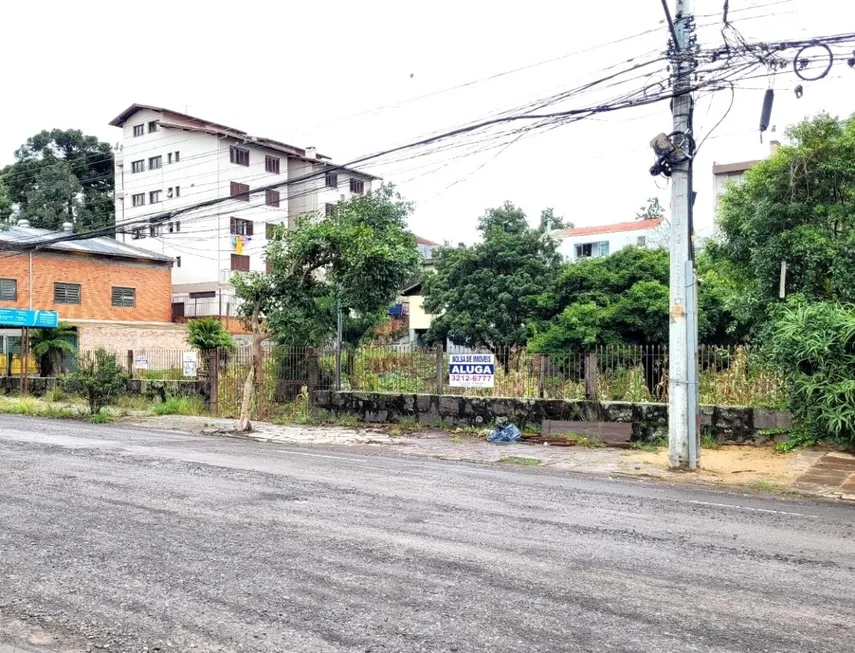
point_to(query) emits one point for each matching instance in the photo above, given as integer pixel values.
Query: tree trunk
(249, 385)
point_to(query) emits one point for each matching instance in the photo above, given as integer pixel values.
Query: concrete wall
(726, 423)
(121, 337)
(418, 318)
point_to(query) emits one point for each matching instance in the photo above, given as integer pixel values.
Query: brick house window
(66, 293)
(8, 290)
(178, 261)
(240, 191)
(331, 180)
(154, 197)
(240, 262)
(155, 162)
(124, 297)
(239, 155)
(138, 166)
(152, 126)
(138, 199)
(271, 164)
(357, 186)
(241, 227)
(272, 198)
(139, 130)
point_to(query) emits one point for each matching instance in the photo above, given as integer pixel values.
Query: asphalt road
(144, 541)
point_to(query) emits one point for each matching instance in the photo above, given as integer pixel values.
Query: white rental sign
(141, 362)
(471, 370)
(188, 361)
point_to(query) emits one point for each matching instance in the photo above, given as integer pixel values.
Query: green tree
(653, 209)
(53, 198)
(549, 221)
(623, 299)
(5, 204)
(50, 346)
(52, 157)
(99, 378)
(797, 206)
(357, 258)
(484, 296)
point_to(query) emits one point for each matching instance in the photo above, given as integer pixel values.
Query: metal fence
(728, 375)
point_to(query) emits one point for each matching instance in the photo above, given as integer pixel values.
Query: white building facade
(167, 161)
(596, 242)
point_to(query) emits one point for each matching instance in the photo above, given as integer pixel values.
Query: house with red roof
(597, 241)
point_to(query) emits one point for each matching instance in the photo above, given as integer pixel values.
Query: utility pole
(682, 410)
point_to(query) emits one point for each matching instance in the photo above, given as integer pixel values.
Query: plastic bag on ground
(504, 433)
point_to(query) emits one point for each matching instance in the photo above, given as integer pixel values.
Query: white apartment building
(167, 160)
(602, 240)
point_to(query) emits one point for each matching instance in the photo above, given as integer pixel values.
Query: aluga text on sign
(471, 370)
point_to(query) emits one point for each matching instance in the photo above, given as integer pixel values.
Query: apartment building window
(124, 297)
(155, 230)
(271, 164)
(177, 156)
(357, 186)
(138, 166)
(270, 230)
(241, 227)
(175, 227)
(152, 126)
(272, 198)
(139, 130)
(240, 191)
(155, 162)
(239, 155)
(641, 241)
(172, 192)
(138, 199)
(169, 158)
(331, 180)
(592, 250)
(154, 197)
(137, 233)
(66, 293)
(328, 209)
(8, 290)
(240, 262)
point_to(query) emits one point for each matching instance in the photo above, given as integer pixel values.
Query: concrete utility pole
(682, 410)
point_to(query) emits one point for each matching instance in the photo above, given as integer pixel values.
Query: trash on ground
(504, 432)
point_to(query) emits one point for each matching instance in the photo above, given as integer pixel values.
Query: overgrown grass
(708, 441)
(101, 417)
(653, 445)
(519, 460)
(35, 408)
(180, 406)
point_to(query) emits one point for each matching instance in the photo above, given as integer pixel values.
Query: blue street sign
(18, 317)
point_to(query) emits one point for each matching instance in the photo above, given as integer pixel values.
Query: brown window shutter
(249, 224)
(233, 225)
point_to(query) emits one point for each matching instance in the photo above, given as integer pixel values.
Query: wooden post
(259, 382)
(591, 377)
(440, 369)
(541, 377)
(131, 363)
(214, 382)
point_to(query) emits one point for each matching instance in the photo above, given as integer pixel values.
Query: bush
(814, 346)
(99, 378)
(180, 406)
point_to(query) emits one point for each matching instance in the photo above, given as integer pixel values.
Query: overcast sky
(343, 76)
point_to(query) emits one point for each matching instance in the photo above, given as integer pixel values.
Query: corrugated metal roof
(635, 225)
(13, 236)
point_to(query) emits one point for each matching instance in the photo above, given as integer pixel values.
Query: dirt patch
(739, 465)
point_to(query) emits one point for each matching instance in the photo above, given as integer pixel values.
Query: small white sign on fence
(471, 370)
(141, 362)
(189, 363)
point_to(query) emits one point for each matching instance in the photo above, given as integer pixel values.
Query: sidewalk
(760, 468)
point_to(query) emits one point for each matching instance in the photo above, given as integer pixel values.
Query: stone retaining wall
(649, 421)
(39, 386)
